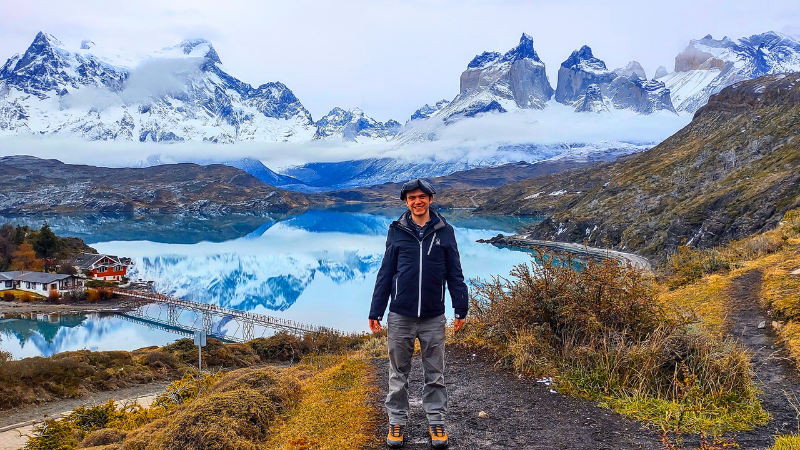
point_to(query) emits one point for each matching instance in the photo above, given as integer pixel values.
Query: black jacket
(414, 271)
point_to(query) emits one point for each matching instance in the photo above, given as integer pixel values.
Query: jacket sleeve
(459, 292)
(383, 282)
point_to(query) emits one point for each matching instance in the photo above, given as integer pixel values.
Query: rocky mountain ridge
(730, 173)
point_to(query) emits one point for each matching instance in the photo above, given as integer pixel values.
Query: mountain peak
(199, 47)
(523, 50)
(584, 59)
(86, 44)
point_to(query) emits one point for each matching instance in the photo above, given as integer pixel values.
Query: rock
(517, 75)
(592, 100)
(762, 325)
(581, 70)
(640, 95)
(660, 72)
(483, 415)
(777, 325)
(633, 69)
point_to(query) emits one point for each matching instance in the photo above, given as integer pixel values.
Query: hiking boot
(395, 437)
(438, 436)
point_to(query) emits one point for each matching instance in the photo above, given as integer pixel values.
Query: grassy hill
(733, 171)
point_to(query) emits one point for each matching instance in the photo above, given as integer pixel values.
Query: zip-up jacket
(416, 269)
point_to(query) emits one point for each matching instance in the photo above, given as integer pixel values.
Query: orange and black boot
(395, 437)
(438, 436)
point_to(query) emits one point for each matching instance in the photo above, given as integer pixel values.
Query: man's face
(418, 202)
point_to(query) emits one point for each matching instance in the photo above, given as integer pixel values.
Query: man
(421, 257)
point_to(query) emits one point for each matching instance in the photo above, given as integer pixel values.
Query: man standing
(421, 257)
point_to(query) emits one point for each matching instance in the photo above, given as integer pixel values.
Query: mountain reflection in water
(317, 267)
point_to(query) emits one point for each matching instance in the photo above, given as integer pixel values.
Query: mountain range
(184, 93)
(730, 173)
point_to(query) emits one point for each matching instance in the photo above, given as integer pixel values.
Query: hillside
(459, 189)
(732, 172)
(33, 185)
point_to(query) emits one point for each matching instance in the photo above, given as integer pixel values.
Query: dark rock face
(592, 100)
(578, 72)
(517, 75)
(642, 96)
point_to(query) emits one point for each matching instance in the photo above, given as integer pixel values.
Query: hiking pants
(403, 330)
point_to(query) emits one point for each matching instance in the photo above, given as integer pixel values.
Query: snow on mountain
(632, 69)
(180, 93)
(516, 78)
(428, 110)
(354, 126)
(708, 65)
(625, 88)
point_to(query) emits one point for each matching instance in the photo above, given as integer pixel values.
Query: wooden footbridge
(168, 312)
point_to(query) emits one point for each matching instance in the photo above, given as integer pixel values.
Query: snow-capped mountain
(515, 79)
(586, 83)
(355, 126)
(708, 65)
(428, 110)
(180, 93)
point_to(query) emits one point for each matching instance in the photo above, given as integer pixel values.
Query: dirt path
(522, 414)
(776, 376)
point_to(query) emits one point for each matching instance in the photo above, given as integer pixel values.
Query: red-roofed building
(101, 267)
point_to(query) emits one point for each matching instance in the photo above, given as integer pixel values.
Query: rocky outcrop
(660, 72)
(633, 69)
(518, 75)
(592, 100)
(429, 110)
(578, 72)
(642, 96)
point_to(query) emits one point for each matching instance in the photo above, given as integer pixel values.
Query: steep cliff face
(578, 72)
(625, 88)
(731, 172)
(518, 75)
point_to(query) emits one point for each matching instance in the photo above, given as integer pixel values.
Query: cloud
(514, 136)
(152, 78)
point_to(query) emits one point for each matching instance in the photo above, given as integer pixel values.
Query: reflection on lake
(318, 267)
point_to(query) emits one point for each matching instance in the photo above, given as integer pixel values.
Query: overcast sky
(390, 57)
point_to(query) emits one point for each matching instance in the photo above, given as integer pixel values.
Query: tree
(24, 258)
(19, 235)
(46, 244)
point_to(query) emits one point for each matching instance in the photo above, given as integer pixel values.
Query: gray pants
(403, 330)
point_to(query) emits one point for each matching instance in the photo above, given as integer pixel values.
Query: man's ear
(431, 196)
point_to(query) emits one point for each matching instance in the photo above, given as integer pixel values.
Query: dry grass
(605, 333)
(788, 442)
(334, 412)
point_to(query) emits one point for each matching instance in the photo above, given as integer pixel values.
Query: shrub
(53, 296)
(92, 295)
(9, 296)
(600, 332)
(25, 297)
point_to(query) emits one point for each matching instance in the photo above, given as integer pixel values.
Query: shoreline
(41, 307)
(521, 241)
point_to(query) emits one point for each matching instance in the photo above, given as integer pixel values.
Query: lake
(317, 267)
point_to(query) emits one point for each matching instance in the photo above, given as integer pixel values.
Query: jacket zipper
(421, 250)
(431, 246)
(442, 291)
(395, 287)
(419, 308)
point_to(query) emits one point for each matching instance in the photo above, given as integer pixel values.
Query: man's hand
(375, 325)
(459, 324)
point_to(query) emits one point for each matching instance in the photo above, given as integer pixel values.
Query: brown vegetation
(602, 334)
